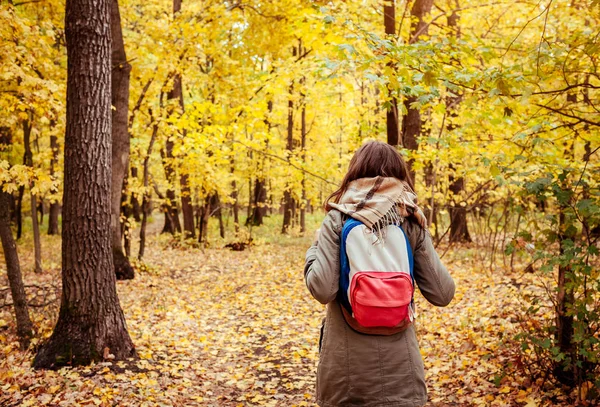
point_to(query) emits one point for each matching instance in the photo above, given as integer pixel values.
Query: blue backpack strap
(411, 260)
(344, 264)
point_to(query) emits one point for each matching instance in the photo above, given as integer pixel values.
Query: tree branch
(286, 160)
(580, 119)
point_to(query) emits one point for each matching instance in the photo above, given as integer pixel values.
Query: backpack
(376, 279)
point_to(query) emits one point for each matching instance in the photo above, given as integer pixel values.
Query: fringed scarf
(377, 202)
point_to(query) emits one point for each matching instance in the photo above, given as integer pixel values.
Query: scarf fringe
(379, 229)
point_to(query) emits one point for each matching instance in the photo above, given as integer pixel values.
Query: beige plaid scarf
(377, 202)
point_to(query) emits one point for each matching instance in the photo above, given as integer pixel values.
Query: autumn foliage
(240, 119)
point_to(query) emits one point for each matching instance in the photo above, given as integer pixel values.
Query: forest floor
(214, 327)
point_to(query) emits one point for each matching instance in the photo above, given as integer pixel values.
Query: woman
(358, 369)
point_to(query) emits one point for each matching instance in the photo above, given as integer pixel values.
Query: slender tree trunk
(186, 207)
(13, 269)
(459, 228)
(459, 231)
(20, 211)
(391, 115)
(204, 217)
(55, 205)
(564, 371)
(176, 93)
(126, 212)
(411, 124)
(12, 208)
(37, 244)
(258, 203)
(431, 212)
(147, 193)
(287, 194)
(134, 201)
(121, 70)
(40, 211)
(28, 161)
(216, 208)
(250, 197)
(236, 204)
(91, 323)
(303, 148)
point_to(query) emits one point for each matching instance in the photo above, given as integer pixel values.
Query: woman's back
(370, 370)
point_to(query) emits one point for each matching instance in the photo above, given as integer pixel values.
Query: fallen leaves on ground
(216, 327)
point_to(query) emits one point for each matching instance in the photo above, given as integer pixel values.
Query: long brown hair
(371, 160)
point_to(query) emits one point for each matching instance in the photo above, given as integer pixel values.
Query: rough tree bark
(91, 323)
(121, 71)
(411, 123)
(391, 114)
(13, 270)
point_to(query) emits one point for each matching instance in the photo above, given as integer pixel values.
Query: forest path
(215, 327)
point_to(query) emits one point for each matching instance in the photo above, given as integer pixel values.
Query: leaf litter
(215, 327)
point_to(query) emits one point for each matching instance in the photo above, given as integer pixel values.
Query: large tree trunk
(91, 323)
(411, 124)
(28, 161)
(391, 115)
(13, 270)
(121, 70)
(55, 205)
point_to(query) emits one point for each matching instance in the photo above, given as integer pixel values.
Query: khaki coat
(370, 370)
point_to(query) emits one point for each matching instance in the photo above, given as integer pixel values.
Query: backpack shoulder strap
(349, 224)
